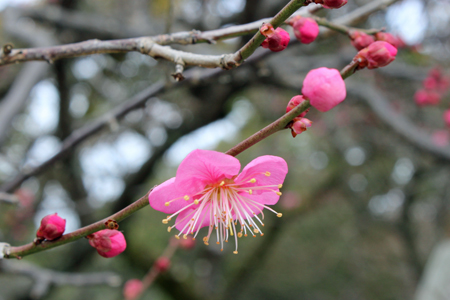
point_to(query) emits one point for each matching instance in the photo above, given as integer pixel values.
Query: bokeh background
(365, 202)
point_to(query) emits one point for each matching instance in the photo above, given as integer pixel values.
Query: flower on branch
(332, 3)
(208, 191)
(52, 227)
(306, 30)
(276, 39)
(378, 54)
(447, 117)
(294, 102)
(427, 97)
(360, 40)
(132, 289)
(109, 243)
(324, 88)
(299, 125)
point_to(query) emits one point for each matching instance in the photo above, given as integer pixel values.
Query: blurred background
(365, 202)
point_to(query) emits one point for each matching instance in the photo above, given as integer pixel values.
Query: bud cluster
(434, 87)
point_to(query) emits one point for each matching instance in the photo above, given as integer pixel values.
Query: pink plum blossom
(361, 40)
(52, 227)
(378, 54)
(324, 88)
(299, 125)
(132, 289)
(306, 30)
(109, 243)
(208, 191)
(294, 102)
(276, 39)
(162, 264)
(387, 37)
(332, 3)
(447, 117)
(427, 97)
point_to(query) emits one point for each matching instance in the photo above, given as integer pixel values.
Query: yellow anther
(205, 239)
(222, 183)
(169, 229)
(217, 243)
(279, 215)
(193, 239)
(262, 234)
(262, 224)
(226, 241)
(186, 197)
(221, 249)
(167, 203)
(177, 237)
(207, 244)
(185, 236)
(196, 202)
(250, 192)
(165, 221)
(267, 173)
(239, 234)
(169, 218)
(253, 180)
(280, 186)
(245, 234)
(279, 193)
(255, 230)
(235, 252)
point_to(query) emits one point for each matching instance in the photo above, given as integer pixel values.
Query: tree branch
(44, 278)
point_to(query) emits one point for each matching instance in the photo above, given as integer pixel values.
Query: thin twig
(20, 251)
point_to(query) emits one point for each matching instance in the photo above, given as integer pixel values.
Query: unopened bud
(360, 40)
(378, 54)
(447, 117)
(299, 125)
(276, 40)
(427, 97)
(332, 3)
(306, 30)
(52, 227)
(162, 264)
(294, 102)
(324, 88)
(132, 289)
(109, 243)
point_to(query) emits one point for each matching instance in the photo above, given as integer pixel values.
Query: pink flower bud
(52, 227)
(332, 3)
(162, 264)
(276, 40)
(186, 244)
(378, 54)
(299, 125)
(426, 97)
(324, 88)
(447, 117)
(430, 83)
(360, 40)
(132, 289)
(440, 138)
(108, 243)
(306, 30)
(294, 102)
(387, 37)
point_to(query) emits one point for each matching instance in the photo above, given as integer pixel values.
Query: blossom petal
(257, 168)
(165, 192)
(185, 216)
(203, 167)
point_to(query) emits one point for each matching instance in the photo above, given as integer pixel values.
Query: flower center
(224, 206)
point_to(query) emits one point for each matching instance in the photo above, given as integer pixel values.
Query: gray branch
(45, 278)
